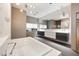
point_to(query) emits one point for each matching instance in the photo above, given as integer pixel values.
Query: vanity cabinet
(50, 34)
(59, 35)
(40, 33)
(62, 37)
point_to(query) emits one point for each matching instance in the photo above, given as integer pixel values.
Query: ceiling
(38, 10)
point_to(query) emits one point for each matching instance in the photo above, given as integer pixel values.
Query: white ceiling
(39, 10)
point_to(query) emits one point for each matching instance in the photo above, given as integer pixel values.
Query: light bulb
(21, 10)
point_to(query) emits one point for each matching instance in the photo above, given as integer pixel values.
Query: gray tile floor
(65, 50)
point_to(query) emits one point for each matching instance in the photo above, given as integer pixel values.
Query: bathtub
(29, 46)
(4, 39)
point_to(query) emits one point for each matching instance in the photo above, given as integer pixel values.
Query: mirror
(77, 31)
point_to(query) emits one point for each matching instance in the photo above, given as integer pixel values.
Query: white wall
(5, 19)
(5, 26)
(74, 9)
(58, 13)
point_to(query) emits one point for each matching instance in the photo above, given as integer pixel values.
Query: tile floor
(65, 50)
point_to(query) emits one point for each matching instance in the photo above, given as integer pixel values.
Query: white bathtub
(4, 39)
(31, 47)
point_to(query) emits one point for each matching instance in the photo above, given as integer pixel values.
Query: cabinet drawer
(50, 35)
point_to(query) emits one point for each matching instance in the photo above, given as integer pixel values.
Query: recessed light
(21, 10)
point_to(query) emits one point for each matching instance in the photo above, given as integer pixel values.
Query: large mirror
(77, 31)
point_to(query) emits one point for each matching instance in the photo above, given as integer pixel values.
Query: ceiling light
(21, 10)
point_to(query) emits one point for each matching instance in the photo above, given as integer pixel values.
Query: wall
(74, 9)
(5, 19)
(5, 26)
(18, 26)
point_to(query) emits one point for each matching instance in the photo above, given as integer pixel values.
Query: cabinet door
(62, 37)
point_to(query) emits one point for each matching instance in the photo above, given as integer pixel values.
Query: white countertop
(56, 30)
(41, 29)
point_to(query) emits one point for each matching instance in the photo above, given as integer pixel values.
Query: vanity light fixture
(21, 10)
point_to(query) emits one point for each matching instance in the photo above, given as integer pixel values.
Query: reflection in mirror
(77, 31)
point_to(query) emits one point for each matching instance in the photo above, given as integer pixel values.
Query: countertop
(56, 30)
